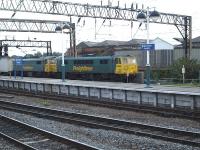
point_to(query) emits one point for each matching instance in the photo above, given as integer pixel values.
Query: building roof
(196, 40)
(137, 41)
(112, 43)
(195, 43)
(86, 44)
(179, 40)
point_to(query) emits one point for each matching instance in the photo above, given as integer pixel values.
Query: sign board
(147, 46)
(183, 69)
(18, 61)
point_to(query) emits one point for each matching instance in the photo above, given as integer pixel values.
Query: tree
(38, 55)
(57, 54)
(28, 56)
(192, 68)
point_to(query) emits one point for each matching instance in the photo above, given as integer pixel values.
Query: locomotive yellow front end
(126, 66)
(50, 65)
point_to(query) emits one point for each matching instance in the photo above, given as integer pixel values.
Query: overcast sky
(119, 30)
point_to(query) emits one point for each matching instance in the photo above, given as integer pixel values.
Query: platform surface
(113, 85)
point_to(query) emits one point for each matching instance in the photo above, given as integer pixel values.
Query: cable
(101, 26)
(14, 13)
(137, 30)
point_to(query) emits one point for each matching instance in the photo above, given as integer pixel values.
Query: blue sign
(18, 61)
(148, 46)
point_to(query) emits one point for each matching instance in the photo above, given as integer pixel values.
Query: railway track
(161, 111)
(157, 132)
(32, 138)
(17, 142)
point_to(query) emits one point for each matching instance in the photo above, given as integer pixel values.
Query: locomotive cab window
(50, 61)
(124, 60)
(117, 60)
(53, 61)
(131, 60)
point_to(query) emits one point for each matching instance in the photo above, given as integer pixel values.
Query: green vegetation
(44, 102)
(188, 85)
(37, 55)
(159, 74)
(192, 69)
(174, 76)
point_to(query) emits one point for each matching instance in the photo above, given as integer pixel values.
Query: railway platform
(157, 95)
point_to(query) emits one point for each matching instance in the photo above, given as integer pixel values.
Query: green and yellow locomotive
(83, 68)
(36, 67)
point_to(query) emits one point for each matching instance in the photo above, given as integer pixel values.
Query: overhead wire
(137, 30)
(15, 11)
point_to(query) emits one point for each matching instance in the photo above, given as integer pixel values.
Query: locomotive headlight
(133, 61)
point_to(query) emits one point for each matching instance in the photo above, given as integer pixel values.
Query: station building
(195, 51)
(160, 58)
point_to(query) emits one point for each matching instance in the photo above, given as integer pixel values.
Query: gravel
(6, 145)
(102, 138)
(97, 137)
(177, 123)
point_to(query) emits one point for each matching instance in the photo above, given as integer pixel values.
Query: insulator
(5, 50)
(1, 51)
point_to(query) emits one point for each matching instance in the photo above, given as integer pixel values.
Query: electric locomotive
(37, 67)
(114, 68)
(99, 67)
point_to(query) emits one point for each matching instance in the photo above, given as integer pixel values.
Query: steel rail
(17, 142)
(12, 123)
(157, 132)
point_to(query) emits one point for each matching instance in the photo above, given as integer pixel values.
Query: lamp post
(73, 32)
(142, 17)
(61, 30)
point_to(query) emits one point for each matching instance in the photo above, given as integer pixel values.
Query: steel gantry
(26, 43)
(28, 25)
(182, 22)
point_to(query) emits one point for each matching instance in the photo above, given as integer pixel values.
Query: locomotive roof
(38, 59)
(91, 57)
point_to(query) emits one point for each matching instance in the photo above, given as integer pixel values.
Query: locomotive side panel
(88, 65)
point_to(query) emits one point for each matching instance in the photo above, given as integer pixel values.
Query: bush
(192, 68)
